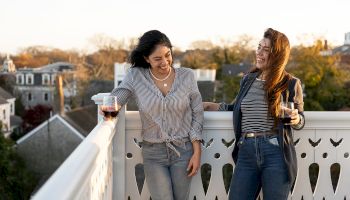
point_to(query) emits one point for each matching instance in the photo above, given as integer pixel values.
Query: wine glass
(110, 107)
(286, 112)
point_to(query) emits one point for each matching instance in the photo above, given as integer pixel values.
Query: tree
(198, 59)
(33, 117)
(324, 81)
(100, 64)
(19, 111)
(7, 82)
(16, 182)
(229, 88)
(37, 56)
(202, 44)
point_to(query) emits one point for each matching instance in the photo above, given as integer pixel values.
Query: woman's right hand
(210, 106)
(108, 113)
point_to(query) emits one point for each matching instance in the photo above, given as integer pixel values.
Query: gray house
(38, 85)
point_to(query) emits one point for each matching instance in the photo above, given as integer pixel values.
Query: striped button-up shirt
(176, 117)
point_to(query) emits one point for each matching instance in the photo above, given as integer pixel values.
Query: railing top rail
(319, 119)
(77, 166)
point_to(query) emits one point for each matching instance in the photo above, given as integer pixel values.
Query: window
(11, 108)
(46, 96)
(4, 114)
(53, 79)
(29, 96)
(29, 79)
(45, 79)
(19, 79)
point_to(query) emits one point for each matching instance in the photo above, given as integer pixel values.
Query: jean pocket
(273, 141)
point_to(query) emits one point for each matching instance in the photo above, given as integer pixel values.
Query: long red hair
(275, 74)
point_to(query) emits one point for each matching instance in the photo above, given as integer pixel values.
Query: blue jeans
(260, 163)
(165, 172)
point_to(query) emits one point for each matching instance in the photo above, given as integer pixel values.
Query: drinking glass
(110, 107)
(286, 111)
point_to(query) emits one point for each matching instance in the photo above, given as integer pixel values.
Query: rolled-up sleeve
(226, 107)
(299, 105)
(125, 90)
(197, 111)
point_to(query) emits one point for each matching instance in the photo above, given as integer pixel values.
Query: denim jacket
(285, 132)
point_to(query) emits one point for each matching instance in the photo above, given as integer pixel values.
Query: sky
(70, 24)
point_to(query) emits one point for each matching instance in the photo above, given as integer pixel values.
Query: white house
(7, 109)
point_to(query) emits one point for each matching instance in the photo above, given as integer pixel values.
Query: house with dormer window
(38, 85)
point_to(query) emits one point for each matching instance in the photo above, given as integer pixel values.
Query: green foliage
(229, 89)
(7, 81)
(19, 107)
(324, 81)
(16, 182)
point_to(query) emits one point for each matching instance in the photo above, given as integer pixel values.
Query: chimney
(325, 45)
(59, 87)
(347, 38)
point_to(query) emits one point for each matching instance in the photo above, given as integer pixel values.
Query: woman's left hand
(194, 164)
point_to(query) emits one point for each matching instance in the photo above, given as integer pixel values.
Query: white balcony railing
(105, 164)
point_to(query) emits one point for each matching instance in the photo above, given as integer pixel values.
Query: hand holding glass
(286, 112)
(110, 107)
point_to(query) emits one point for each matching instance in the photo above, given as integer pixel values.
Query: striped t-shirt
(176, 117)
(254, 110)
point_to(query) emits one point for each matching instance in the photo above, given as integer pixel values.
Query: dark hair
(147, 44)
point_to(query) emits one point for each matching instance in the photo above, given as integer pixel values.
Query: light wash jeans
(260, 163)
(165, 172)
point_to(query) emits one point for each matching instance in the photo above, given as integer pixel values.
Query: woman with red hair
(264, 151)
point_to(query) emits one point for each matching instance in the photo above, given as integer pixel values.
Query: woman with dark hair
(264, 151)
(171, 112)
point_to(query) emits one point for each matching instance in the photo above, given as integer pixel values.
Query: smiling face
(262, 53)
(160, 60)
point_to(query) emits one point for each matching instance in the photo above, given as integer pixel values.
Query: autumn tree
(37, 56)
(202, 44)
(198, 59)
(325, 82)
(100, 64)
(34, 116)
(232, 52)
